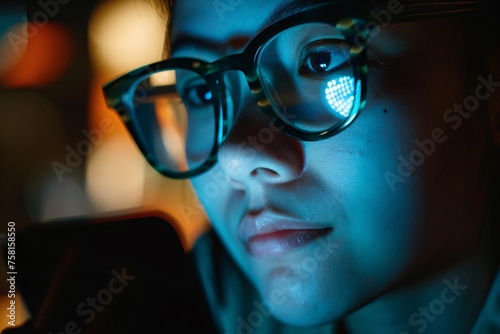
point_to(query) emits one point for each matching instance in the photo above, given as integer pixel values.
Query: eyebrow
(289, 8)
(183, 41)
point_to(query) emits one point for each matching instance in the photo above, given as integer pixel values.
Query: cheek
(224, 206)
(379, 193)
(213, 191)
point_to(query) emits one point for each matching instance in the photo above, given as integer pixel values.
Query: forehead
(215, 17)
(229, 22)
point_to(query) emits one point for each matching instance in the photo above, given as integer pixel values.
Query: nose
(256, 150)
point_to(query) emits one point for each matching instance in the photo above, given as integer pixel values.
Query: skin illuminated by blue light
(340, 95)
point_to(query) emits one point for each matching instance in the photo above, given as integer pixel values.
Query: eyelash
(372, 60)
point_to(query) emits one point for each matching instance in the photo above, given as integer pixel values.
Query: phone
(127, 274)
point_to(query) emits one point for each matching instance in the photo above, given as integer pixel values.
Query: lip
(282, 241)
(271, 234)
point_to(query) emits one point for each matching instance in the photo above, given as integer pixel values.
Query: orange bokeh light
(47, 55)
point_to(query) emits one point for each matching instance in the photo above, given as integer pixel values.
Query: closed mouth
(282, 241)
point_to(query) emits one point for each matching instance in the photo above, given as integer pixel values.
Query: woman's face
(322, 228)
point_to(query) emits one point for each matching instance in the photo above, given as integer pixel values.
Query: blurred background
(63, 153)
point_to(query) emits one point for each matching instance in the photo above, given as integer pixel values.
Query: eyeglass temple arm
(416, 11)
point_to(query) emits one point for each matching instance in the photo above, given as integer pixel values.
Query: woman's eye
(197, 96)
(324, 57)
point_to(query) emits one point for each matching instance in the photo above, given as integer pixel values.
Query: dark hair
(164, 9)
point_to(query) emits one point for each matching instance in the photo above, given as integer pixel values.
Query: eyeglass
(307, 73)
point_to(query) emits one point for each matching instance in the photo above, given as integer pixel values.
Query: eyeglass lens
(175, 118)
(306, 73)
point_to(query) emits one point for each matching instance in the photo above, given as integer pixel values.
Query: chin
(306, 316)
(300, 303)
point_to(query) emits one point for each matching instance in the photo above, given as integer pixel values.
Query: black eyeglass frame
(348, 19)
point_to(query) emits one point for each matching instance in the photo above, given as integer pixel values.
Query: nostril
(264, 172)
